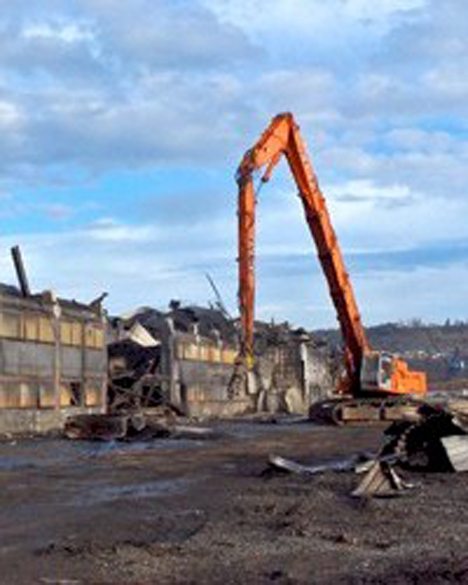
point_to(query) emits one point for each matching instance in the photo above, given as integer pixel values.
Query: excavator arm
(366, 370)
(282, 138)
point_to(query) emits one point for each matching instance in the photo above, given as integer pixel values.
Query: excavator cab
(376, 372)
(383, 372)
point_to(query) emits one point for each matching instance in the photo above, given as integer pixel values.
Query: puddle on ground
(96, 449)
(250, 429)
(14, 463)
(43, 453)
(97, 493)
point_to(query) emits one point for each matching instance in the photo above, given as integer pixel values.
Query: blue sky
(122, 123)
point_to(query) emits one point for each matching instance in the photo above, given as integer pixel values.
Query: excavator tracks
(359, 411)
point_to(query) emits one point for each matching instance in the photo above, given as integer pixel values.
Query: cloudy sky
(122, 123)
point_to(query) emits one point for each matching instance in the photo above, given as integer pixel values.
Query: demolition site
(185, 445)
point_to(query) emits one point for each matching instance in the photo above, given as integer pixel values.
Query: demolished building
(187, 358)
(53, 360)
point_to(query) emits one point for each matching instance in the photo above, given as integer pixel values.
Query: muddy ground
(178, 511)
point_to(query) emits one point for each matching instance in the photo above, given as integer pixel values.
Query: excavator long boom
(282, 137)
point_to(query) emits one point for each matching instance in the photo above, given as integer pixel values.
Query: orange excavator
(373, 375)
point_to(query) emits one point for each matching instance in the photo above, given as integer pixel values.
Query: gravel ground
(205, 512)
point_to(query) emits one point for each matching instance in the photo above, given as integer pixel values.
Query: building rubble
(186, 357)
(436, 442)
(180, 363)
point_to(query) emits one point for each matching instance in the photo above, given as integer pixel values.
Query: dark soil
(204, 512)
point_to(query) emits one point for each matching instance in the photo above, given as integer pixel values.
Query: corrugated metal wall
(50, 361)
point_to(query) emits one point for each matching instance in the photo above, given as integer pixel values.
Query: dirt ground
(179, 511)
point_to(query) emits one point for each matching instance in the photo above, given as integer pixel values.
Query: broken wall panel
(203, 389)
(292, 371)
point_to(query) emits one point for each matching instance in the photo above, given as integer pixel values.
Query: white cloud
(432, 294)
(166, 34)
(367, 218)
(314, 17)
(143, 265)
(446, 81)
(309, 93)
(68, 32)
(378, 88)
(10, 115)
(111, 230)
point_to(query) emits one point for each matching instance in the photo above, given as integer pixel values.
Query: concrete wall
(291, 377)
(201, 369)
(203, 390)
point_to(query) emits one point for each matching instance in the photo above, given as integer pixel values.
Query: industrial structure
(53, 358)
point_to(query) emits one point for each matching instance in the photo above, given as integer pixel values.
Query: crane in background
(368, 373)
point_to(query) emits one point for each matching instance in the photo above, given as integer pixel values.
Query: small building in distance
(53, 360)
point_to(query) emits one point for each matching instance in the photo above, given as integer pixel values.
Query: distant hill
(440, 350)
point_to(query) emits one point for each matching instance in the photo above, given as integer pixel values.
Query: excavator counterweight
(368, 372)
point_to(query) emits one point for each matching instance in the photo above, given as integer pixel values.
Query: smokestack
(20, 271)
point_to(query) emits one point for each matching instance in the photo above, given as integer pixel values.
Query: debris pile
(109, 427)
(135, 377)
(436, 442)
(183, 356)
(420, 445)
(161, 423)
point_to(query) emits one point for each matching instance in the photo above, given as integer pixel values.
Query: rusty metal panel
(214, 353)
(66, 335)
(203, 353)
(65, 395)
(46, 396)
(46, 331)
(183, 351)
(89, 337)
(9, 395)
(31, 327)
(10, 325)
(100, 338)
(25, 394)
(93, 395)
(18, 394)
(29, 397)
(77, 333)
(94, 336)
(189, 351)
